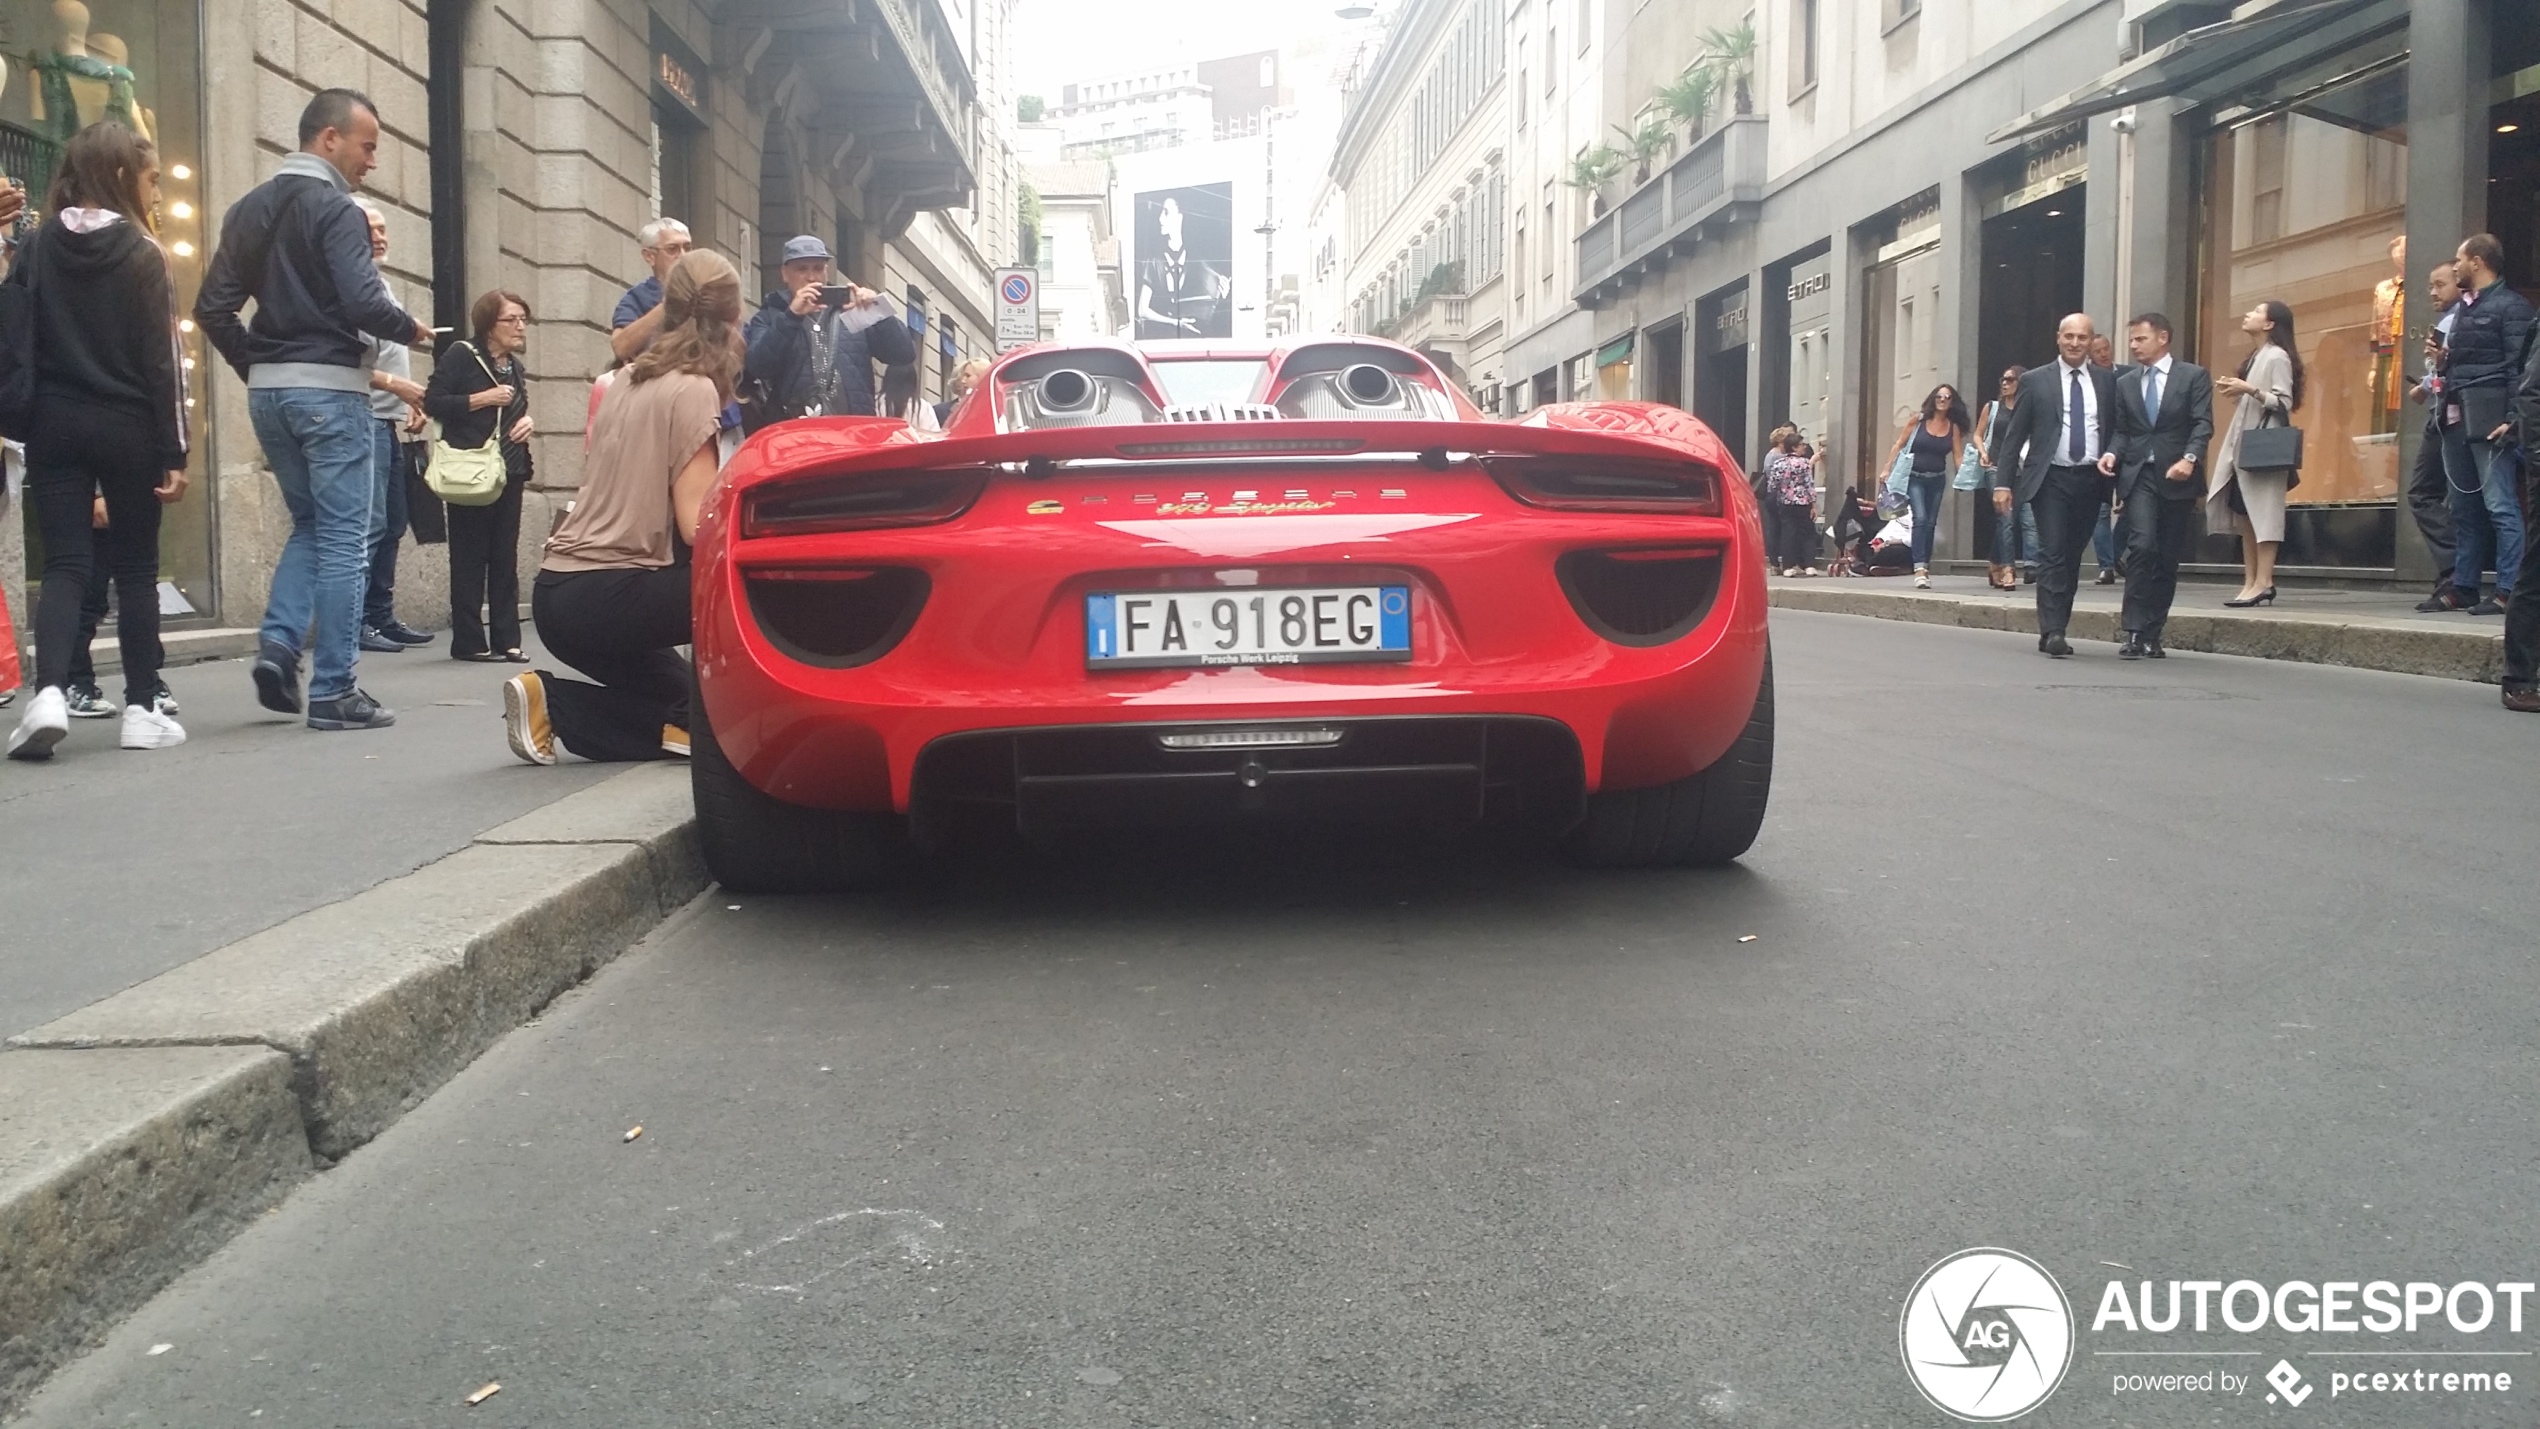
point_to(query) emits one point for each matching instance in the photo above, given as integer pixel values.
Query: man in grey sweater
(300, 250)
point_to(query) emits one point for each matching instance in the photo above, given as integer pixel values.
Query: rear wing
(1616, 431)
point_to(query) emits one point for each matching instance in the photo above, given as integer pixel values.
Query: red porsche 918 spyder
(1190, 582)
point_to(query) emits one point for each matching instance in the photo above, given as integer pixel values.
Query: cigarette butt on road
(489, 1391)
(1747, 938)
(632, 1132)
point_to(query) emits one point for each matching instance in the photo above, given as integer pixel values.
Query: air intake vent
(836, 618)
(1641, 597)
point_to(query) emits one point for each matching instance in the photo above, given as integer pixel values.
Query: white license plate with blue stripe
(1148, 629)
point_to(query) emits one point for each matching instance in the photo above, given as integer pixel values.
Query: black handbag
(2271, 448)
(17, 349)
(424, 514)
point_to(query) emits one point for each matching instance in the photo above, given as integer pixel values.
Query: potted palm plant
(1593, 170)
(1730, 55)
(1689, 97)
(1645, 141)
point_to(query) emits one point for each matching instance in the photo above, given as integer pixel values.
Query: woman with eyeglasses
(480, 393)
(1937, 439)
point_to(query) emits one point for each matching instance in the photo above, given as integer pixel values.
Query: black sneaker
(2487, 607)
(354, 710)
(86, 701)
(277, 676)
(405, 634)
(375, 641)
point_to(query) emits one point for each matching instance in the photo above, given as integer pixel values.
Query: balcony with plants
(1677, 175)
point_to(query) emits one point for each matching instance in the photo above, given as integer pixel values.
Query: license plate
(1277, 626)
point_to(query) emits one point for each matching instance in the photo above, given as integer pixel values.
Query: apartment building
(523, 142)
(1420, 166)
(1918, 189)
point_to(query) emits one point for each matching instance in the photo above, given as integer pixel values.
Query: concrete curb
(329, 1026)
(2472, 654)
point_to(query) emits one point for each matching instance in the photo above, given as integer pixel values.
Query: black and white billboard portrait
(1186, 259)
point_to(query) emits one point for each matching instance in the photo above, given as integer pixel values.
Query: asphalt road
(117, 865)
(2211, 970)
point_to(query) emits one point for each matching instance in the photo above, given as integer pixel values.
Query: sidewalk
(122, 865)
(2364, 629)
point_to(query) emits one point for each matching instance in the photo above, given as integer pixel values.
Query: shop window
(2309, 208)
(71, 65)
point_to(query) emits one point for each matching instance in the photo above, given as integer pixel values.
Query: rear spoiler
(1609, 430)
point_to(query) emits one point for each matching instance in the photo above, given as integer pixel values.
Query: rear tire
(758, 844)
(1699, 820)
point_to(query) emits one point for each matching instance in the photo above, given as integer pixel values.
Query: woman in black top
(480, 393)
(109, 421)
(1938, 440)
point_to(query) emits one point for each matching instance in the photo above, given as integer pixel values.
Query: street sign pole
(1018, 305)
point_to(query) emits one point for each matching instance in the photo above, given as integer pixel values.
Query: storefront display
(2308, 205)
(68, 65)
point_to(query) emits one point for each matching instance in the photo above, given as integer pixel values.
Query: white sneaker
(47, 719)
(146, 728)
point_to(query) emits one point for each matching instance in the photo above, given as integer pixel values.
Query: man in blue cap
(813, 344)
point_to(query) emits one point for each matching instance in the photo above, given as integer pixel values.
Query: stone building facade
(524, 142)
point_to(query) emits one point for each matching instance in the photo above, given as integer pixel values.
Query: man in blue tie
(2164, 422)
(2059, 441)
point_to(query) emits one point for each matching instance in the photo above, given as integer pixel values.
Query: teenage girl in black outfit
(109, 421)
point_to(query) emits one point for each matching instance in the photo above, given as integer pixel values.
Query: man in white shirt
(2057, 441)
(2164, 421)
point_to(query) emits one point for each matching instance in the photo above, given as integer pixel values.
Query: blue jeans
(1923, 491)
(379, 603)
(2014, 532)
(319, 444)
(2486, 513)
(2103, 539)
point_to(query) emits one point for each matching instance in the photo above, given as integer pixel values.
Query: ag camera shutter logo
(1987, 1335)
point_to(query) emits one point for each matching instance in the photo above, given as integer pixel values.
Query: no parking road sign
(1018, 308)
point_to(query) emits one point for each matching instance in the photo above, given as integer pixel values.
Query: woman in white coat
(2269, 385)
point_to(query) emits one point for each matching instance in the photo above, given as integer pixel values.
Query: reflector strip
(1250, 739)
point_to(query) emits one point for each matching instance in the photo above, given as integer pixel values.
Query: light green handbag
(469, 476)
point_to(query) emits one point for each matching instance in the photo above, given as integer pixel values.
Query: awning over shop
(2261, 39)
(1619, 350)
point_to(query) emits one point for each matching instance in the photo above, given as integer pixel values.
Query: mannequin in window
(76, 85)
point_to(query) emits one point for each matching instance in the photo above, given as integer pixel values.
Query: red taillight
(1653, 487)
(859, 501)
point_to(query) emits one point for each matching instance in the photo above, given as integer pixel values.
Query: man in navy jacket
(298, 247)
(809, 359)
(2482, 361)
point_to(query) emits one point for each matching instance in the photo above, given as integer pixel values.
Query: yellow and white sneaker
(674, 741)
(525, 718)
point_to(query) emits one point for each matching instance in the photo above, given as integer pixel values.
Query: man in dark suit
(2058, 442)
(2164, 423)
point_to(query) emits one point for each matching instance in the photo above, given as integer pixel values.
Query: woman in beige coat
(2269, 384)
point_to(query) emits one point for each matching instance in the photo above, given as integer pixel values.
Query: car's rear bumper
(856, 738)
(1392, 770)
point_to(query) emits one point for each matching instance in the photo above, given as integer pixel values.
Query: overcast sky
(1058, 42)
